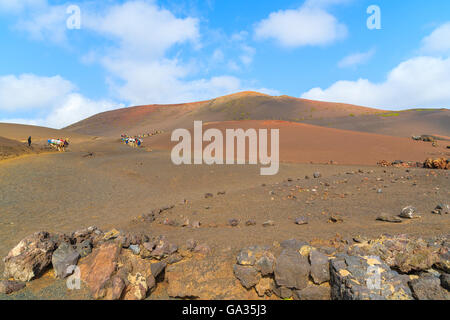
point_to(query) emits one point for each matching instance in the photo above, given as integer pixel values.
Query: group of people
(134, 142)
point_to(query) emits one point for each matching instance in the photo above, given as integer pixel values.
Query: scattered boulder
(317, 175)
(30, 257)
(233, 222)
(208, 195)
(64, 257)
(250, 255)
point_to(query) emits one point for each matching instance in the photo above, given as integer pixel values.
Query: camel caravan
(59, 144)
(137, 140)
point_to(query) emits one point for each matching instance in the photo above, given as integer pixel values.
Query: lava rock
(428, 288)
(63, 258)
(30, 257)
(320, 268)
(248, 276)
(291, 270)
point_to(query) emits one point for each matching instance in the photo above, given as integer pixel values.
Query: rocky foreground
(117, 265)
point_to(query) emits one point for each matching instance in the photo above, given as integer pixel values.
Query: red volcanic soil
(304, 143)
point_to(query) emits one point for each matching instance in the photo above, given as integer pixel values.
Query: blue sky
(143, 52)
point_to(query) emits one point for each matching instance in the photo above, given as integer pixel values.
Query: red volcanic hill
(239, 106)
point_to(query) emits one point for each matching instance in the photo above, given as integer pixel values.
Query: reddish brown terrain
(100, 181)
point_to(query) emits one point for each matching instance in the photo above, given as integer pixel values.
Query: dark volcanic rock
(428, 288)
(30, 257)
(248, 276)
(445, 281)
(84, 248)
(64, 257)
(249, 255)
(291, 270)
(366, 278)
(320, 268)
(293, 244)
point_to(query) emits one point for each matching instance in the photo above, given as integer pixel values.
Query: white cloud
(417, 82)
(310, 25)
(438, 42)
(356, 59)
(17, 6)
(29, 91)
(47, 24)
(143, 29)
(54, 99)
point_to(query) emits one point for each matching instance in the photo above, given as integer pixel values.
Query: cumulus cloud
(54, 99)
(140, 70)
(27, 91)
(355, 59)
(17, 6)
(438, 42)
(310, 25)
(418, 82)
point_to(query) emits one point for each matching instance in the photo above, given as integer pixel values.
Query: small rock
(317, 175)
(8, 287)
(233, 222)
(409, 212)
(268, 223)
(135, 248)
(389, 218)
(335, 218)
(84, 248)
(301, 221)
(202, 248)
(196, 224)
(112, 234)
(250, 222)
(208, 195)
(191, 244)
